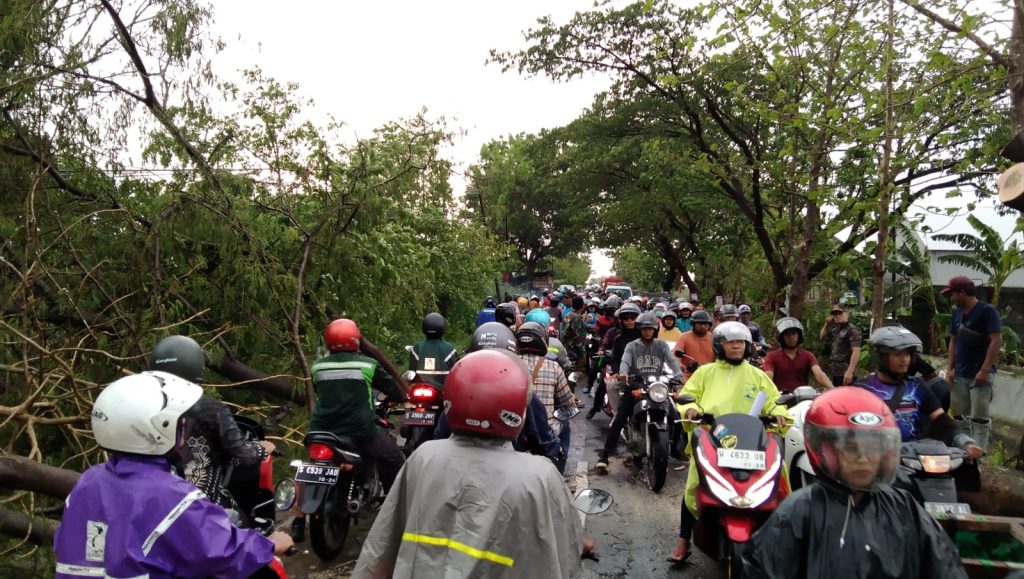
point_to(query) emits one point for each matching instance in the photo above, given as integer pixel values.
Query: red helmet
(850, 424)
(486, 393)
(342, 335)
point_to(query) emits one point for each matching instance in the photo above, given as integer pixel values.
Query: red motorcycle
(740, 464)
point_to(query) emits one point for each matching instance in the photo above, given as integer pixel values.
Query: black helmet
(700, 316)
(434, 326)
(648, 320)
(492, 335)
(786, 324)
(628, 309)
(181, 356)
(532, 338)
(507, 313)
(489, 302)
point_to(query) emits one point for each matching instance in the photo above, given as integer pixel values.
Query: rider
(755, 328)
(469, 506)
(574, 336)
(549, 383)
(612, 346)
(792, 366)
(645, 357)
(344, 382)
(131, 516)
(554, 311)
(697, 343)
(591, 316)
(892, 350)
(729, 385)
(433, 357)
(850, 523)
(508, 314)
(669, 332)
(486, 314)
(728, 313)
(684, 310)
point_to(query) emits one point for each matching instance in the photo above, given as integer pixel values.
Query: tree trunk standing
(884, 187)
(1016, 69)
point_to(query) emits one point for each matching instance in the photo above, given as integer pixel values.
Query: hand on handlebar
(781, 421)
(268, 446)
(692, 414)
(282, 542)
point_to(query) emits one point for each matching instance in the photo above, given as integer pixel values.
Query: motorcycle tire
(328, 528)
(657, 459)
(733, 560)
(417, 436)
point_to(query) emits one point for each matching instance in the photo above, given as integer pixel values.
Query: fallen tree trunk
(20, 473)
(237, 371)
(17, 524)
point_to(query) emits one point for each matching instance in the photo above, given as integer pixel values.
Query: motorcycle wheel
(657, 459)
(417, 436)
(328, 528)
(733, 564)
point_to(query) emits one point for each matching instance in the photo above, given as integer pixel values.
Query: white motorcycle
(798, 402)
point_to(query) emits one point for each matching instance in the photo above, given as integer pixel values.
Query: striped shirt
(550, 386)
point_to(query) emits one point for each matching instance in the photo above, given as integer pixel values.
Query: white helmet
(139, 413)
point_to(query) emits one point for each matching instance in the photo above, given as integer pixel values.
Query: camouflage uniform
(845, 337)
(575, 339)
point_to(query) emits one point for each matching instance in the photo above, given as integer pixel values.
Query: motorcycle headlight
(658, 393)
(936, 464)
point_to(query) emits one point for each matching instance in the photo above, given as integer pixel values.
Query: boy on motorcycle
(470, 506)
(727, 386)
(131, 516)
(850, 524)
(914, 405)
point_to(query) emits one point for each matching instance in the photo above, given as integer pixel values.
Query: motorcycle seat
(329, 438)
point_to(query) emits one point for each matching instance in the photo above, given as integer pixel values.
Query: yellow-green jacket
(721, 388)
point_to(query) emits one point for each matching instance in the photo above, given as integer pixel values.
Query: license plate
(948, 508)
(742, 459)
(317, 474)
(419, 418)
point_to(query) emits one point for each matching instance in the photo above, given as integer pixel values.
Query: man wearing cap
(975, 339)
(755, 328)
(846, 342)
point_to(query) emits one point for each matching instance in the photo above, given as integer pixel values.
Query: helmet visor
(859, 458)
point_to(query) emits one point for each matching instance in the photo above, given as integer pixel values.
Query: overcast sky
(367, 63)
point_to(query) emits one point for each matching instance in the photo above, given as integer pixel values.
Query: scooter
(934, 472)
(799, 402)
(647, 432)
(420, 422)
(741, 481)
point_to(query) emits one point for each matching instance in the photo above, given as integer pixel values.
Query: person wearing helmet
(606, 316)
(641, 358)
(791, 365)
(728, 385)
(549, 382)
(612, 347)
(534, 303)
(683, 311)
(728, 313)
(131, 516)
(918, 413)
(669, 332)
(591, 315)
(214, 440)
(344, 381)
(508, 315)
(850, 523)
(433, 357)
(574, 336)
(537, 436)
(746, 318)
(523, 302)
(846, 343)
(695, 346)
(469, 505)
(554, 311)
(486, 313)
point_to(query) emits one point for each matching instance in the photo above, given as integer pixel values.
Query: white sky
(367, 63)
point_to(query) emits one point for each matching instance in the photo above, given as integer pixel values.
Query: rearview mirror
(409, 376)
(686, 398)
(593, 501)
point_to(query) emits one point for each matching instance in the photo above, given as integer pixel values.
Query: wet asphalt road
(638, 533)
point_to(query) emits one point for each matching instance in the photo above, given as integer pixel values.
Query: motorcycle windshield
(748, 432)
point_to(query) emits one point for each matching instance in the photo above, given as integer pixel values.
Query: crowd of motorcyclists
(487, 496)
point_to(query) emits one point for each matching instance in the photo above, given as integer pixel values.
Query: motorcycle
(252, 486)
(593, 360)
(933, 472)
(420, 422)
(799, 402)
(647, 432)
(741, 481)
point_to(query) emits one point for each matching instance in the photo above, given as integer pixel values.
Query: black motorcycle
(420, 422)
(647, 432)
(933, 472)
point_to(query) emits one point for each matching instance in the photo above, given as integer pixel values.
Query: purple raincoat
(131, 517)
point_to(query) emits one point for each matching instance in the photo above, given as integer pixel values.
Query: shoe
(602, 464)
(591, 413)
(298, 529)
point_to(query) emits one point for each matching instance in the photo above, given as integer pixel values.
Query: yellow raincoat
(721, 388)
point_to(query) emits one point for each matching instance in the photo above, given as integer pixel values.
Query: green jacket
(344, 383)
(432, 359)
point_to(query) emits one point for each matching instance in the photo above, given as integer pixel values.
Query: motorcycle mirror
(576, 377)
(409, 375)
(686, 398)
(295, 463)
(566, 412)
(284, 494)
(593, 501)
(408, 348)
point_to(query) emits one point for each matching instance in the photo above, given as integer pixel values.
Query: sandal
(679, 560)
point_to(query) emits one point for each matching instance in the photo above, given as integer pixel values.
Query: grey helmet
(888, 339)
(492, 335)
(629, 308)
(728, 310)
(789, 323)
(181, 356)
(648, 320)
(727, 332)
